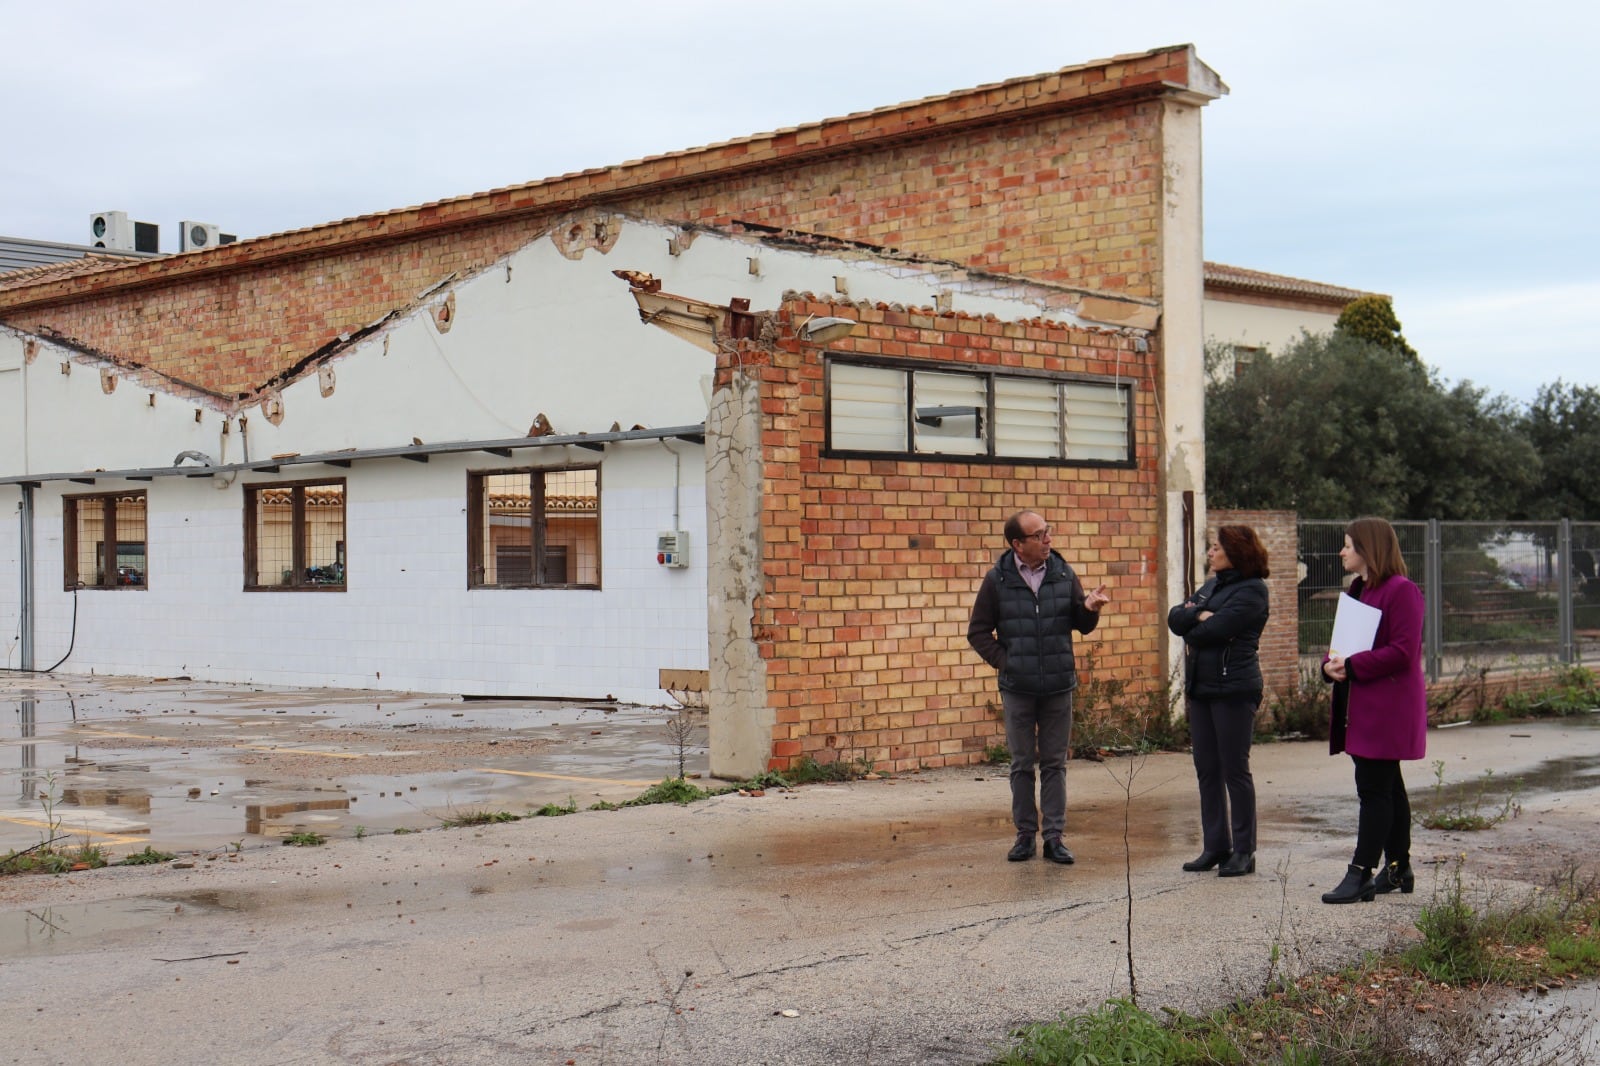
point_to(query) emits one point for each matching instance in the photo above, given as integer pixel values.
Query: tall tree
(1372, 318)
(1336, 426)
(1563, 426)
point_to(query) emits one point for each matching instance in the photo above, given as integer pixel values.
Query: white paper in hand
(1355, 626)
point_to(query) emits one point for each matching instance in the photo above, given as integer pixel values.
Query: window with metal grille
(294, 537)
(897, 409)
(535, 528)
(104, 541)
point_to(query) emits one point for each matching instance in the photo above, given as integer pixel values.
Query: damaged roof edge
(1157, 72)
(695, 434)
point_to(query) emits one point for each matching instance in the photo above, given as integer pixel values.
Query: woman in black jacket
(1221, 628)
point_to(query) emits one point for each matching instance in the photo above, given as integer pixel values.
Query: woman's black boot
(1238, 864)
(1357, 885)
(1393, 876)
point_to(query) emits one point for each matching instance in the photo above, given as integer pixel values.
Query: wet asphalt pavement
(125, 763)
(869, 922)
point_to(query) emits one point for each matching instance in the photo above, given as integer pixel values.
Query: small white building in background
(1251, 314)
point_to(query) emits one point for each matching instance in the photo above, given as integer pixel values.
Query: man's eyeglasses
(1038, 534)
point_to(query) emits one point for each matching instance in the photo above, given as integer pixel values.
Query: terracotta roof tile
(65, 268)
(1220, 275)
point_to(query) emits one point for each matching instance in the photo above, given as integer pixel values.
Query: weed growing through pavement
(681, 732)
(45, 857)
(556, 810)
(1118, 1032)
(1466, 812)
(672, 790)
(479, 818)
(1431, 1005)
(148, 857)
(305, 840)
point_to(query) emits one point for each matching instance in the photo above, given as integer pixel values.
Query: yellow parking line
(565, 777)
(306, 751)
(242, 747)
(112, 733)
(68, 831)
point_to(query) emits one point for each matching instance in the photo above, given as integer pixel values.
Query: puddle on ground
(1573, 773)
(87, 925)
(183, 768)
(121, 765)
(1558, 1026)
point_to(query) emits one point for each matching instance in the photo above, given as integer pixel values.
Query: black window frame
(986, 417)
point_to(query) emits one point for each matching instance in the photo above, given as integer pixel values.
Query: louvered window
(899, 409)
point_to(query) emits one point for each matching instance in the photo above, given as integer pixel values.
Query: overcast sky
(1444, 154)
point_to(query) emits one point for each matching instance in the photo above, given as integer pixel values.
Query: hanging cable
(71, 643)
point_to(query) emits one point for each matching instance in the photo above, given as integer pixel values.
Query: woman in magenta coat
(1387, 703)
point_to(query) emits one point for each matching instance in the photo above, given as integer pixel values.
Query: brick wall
(231, 333)
(1280, 641)
(1071, 198)
(871, 566)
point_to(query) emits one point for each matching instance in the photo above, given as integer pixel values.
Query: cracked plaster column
(741, 717)
(1183, 444)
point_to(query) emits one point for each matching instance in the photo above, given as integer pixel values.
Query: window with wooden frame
(917, 410)
(536, 528)
(104, 541)
(294, 537)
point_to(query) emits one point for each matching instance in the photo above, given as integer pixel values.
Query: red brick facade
(871, 566)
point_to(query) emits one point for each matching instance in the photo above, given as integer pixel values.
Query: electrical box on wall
(672, 548)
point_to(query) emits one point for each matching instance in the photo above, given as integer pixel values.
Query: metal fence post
(1564, 606)
(1433, 619)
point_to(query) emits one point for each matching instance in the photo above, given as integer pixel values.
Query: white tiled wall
(407, 619)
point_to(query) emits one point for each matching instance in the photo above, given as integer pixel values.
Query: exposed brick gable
(1056, 177)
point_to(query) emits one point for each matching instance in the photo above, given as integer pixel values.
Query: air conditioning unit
(116, 232)
(195, 236)
(111, 230)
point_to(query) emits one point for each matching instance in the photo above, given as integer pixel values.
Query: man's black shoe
(1022, 850)
(1056, 851)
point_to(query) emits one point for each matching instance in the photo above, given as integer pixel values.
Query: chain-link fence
(1500, 595)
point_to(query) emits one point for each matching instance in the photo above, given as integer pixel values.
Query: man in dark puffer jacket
(1022, 625)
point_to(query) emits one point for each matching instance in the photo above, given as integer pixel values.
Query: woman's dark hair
(1375, 541)
(1244, 550)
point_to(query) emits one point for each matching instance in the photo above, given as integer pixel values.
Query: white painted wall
(407, 619)
(1256, 326)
